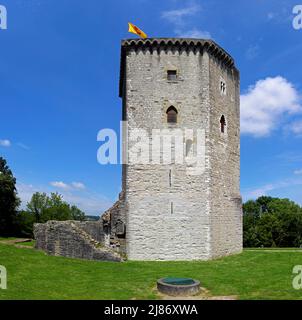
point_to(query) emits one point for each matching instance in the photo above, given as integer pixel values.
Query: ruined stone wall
(96, 240)
(116, 217)
(74, 239)
(93, 228)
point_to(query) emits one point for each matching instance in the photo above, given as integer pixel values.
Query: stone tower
(180, 196)
(172, 213)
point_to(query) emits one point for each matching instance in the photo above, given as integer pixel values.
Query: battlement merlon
(181, 44)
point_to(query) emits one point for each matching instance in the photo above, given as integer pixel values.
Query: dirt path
(203, 295)
(18, 242)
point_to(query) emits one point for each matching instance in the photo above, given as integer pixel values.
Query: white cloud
(194, 33)
(258, 192)
(65, 186)
(296, 127)
(25, 192)
(283, 15)
(23, 146)
(60, 185)
(5, 143)
(287, 157)
(265, 189)
(177, 16)
(180, 18)
(90, 202)
(78, 185)
(297, 172)
(252, 52)
(265, 103)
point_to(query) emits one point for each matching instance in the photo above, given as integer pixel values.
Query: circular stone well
(178, 286)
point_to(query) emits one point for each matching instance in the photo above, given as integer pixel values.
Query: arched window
(172, 115)
(189, 144)
(222, 124)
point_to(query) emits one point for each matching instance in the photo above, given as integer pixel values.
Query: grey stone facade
(164, 211)
(172, 215)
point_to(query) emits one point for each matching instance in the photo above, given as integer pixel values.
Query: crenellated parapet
(180, 45)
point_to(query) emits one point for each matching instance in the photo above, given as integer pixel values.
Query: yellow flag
(134, 29)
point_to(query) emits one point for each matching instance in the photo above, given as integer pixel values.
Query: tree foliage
(272, 222)
(9, 201)
(42, 208)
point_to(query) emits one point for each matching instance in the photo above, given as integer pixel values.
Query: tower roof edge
(155, 43)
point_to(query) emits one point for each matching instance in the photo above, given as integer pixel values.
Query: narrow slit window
(222, 124)
(170, 178)
(172, 75)
(172, 115)
(172, 208)
(223, 87)
(189, 145)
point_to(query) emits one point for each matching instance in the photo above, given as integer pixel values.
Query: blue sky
(59, 71)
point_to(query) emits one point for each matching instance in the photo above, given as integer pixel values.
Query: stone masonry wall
(73, 239)
(154, 230)
(189, 217)
(224, 153)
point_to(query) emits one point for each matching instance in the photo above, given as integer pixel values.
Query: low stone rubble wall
(74, 239)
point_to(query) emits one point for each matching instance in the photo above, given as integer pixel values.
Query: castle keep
(177, 210)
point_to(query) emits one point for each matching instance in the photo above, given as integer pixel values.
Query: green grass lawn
(251, 275)
(28, 244)
(4, 239)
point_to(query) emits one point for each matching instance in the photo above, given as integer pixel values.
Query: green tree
(42, 208)
(9, 201)
(57, 209)
(272, 222)
(77, 214)
(37, 205)
(24, 221)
